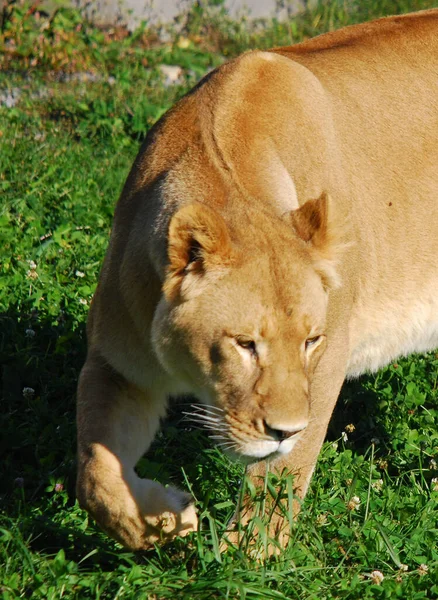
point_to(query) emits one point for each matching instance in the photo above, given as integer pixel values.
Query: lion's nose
(282, 433)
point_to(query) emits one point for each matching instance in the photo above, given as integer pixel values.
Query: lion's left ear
(312, 223)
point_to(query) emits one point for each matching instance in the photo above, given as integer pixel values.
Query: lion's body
(210, 243)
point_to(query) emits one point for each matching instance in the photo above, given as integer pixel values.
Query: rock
(172, 74)
(10, 98)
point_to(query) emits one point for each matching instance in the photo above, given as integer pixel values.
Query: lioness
(278, 233)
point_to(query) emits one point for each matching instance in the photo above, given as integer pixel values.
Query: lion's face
(242, 324)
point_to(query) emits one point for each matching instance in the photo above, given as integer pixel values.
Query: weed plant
(76, 102)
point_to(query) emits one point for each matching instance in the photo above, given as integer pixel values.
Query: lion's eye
(248, 344)
(312, 341)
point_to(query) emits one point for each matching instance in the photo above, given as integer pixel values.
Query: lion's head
(242, 320)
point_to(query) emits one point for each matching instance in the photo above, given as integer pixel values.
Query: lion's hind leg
(116, 425)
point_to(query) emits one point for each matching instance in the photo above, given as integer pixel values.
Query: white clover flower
(353, 503)
(435, 484)
(321, 519)
(32, 264)
(377, 577)
(344, 436)
(83, 301)
(335, 445)
(31, 274)
(423, 569)
(79, 274)
(350, 428)
(377, 485)
(28, 393)
(433, 464)
(375, 441)
(30, 333)
(404, 568)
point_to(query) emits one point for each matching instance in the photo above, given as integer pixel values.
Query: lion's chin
(255, 451)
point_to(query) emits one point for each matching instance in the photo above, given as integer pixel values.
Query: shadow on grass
(40, 364)
(41, 360)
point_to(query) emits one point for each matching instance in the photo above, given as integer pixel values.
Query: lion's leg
(116, 425)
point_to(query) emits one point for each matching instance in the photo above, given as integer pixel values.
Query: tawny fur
(278, 233)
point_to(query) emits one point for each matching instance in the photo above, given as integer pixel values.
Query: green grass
(66, 148)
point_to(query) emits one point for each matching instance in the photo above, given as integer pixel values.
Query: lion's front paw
(138, 513)
(178, 517)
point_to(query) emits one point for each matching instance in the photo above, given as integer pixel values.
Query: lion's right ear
(199, 245)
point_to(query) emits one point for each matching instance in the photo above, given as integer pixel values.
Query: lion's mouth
(237, 443)
(260, 449)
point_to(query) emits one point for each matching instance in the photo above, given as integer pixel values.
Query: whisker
(226, 442)
(211, 423)
(211, 428)
(206, 407)
(216, 419)
(226, 445)
(202, 415)
(198, 410)
(230, 449)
